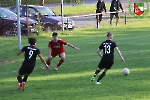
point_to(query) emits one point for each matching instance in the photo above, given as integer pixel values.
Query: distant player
(28, 65)
(115, 7)
(100, 7)
(107, 59)
(56, 48)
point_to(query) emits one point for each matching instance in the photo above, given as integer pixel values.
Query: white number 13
(107, 49)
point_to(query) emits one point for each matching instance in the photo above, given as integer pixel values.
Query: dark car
(8, 23)
(49, 20)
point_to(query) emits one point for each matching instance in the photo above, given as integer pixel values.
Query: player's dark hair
(113, 1)
(54, 34)
(109, 34)
(32, 41)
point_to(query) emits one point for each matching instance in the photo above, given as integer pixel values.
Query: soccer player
(100, 7)
(107, 59)
(28, 65)
(56, 47)
(115, 7)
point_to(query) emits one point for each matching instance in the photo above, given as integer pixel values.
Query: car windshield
(45, 11)
(6, 13)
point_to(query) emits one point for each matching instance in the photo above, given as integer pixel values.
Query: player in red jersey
(56, 47)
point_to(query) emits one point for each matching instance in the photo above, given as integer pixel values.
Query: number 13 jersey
(108, 49)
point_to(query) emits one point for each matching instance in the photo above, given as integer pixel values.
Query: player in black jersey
(107, 60)
(100, 7)
(115, 7)
(28, 64)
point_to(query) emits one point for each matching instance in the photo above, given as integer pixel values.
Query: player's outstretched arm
(118, 51)
(19, 52)
(42, 59)
(70, 45)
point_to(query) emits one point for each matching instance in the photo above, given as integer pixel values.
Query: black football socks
(25, 78)
(96, 72)
(101, 76)
(19, 79)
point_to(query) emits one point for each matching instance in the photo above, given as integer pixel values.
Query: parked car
(8, 23)
(49, 19)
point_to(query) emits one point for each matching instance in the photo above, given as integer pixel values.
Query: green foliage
(73, 10)
(40, 25)
(7, 3)
(72, 80)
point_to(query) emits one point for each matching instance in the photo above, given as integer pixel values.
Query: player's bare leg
(99, 22)
(62, 58)
(48, 62)
(23, 86)
(117, 20)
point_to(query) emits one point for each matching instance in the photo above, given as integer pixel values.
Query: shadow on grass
(78, 86)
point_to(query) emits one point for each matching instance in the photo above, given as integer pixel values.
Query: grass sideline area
(72, 80)
(78, 9)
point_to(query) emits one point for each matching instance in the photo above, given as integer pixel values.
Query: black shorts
(105, 64)
(114, 14)
(99, 17)
(26, 68)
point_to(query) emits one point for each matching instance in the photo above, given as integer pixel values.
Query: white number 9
(30, 54)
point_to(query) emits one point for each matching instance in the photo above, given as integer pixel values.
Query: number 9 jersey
(31, 53)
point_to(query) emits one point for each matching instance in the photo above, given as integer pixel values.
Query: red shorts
(55, 53)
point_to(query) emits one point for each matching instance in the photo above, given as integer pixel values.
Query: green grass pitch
(72, 81)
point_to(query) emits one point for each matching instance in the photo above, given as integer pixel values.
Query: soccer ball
(125, 71)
